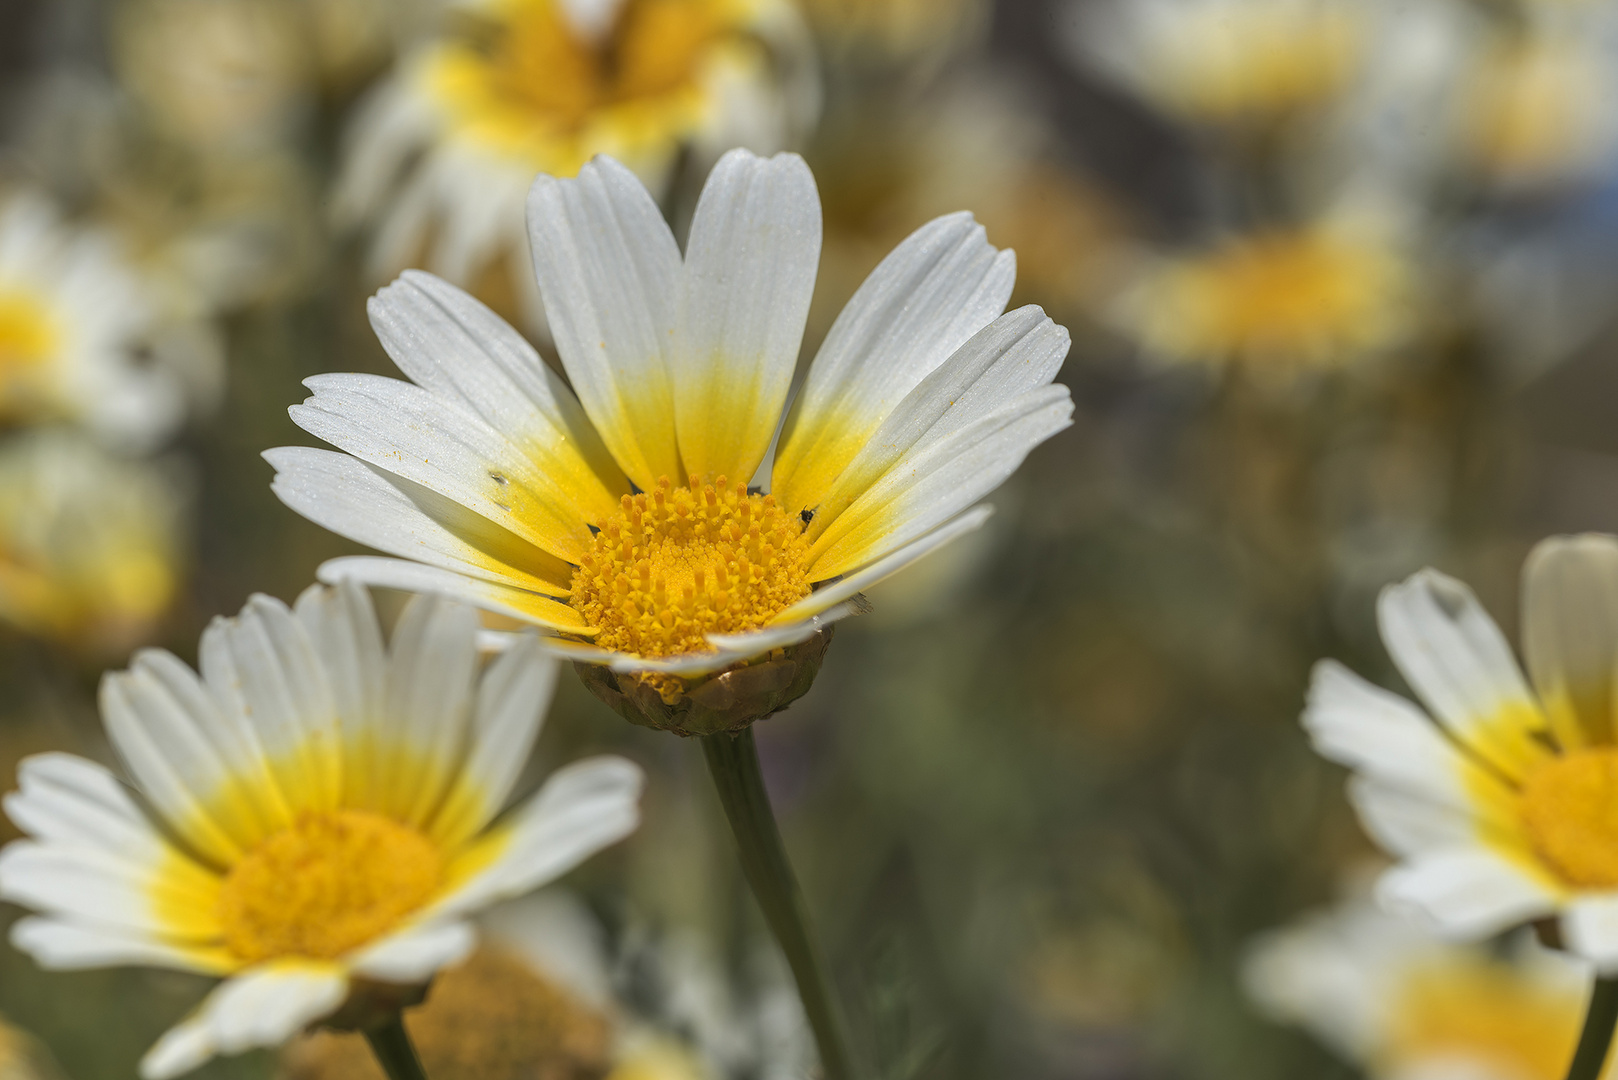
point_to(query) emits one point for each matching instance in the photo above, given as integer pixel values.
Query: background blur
(1341, 279)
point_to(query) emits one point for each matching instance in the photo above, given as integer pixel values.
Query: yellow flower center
(332, 882)
(1482, 1010)
(28, 339)
(521, 76)
(677, 564)
(1570, 806)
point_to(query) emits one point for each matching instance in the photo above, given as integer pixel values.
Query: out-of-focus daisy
(90, 544)
(324, 812)
(895, 29)
(549, 995)
(1225, 61)
(77, 326)
(624, 517)
(1400, 1003)
(1502, 810)
(1277, 300)
(442, 155)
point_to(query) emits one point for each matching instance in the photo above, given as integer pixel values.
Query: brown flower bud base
(726, 702)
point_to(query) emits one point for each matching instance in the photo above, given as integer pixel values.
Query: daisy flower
(1277, 300)
(1503, 810)
(1225, 61)
(74, 317)
(91, 545)
(1398, 1002)
(442, 154)
(623, 518)
(316, 808)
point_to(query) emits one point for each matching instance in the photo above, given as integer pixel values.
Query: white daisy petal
(414, 577)
(414, 955)
(933, 485)
(445, 447)
(1590, 927)
(511, 702)
(454, 346)
(263, 671)
(392, 514)
(1406, 824)
(943, 284)
(835, 593)
(1570, 634)
(749, 273)
(1467, 892)
(1458, 662)
(167, 899)
(609, 271)
(782, 634)
(62, 799)
(263, 1007)
(1388, 739)
(582, 808)
(1014, 356)
(66, 946)
(427, 701)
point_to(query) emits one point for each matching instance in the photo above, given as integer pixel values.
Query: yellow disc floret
(1571, 809)
(677, 564)
(332, 882)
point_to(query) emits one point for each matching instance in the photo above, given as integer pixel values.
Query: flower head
(623, 518)
(324, 814)
(1505, 810)
(1398, 1002)
(448, 147)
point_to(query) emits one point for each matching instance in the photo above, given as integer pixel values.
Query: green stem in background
(733, 763)
(1597, 1034)
(394, 1052)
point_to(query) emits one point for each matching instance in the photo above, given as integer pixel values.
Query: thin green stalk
(1596, 1037)
(394, 1052)
(733, 763)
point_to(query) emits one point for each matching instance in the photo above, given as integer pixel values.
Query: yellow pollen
(330, 883)
(1570, 806)
(678, 564)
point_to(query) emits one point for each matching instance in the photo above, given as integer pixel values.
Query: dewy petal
(928, 487)
(1590, 929)
(454, 346)
(1467, 892)
(943, 284)
(609, 274)
(416, 954)
(1016, 355)
(67, 946)
(1570, 634)
(427, 700)
(1455, 658)
(392, 514)
(583, 807)
(1386, 738)
(511, 701)
(263, 1007)
(263, 671)
(749, 273)
(447, 448)
(414, 577)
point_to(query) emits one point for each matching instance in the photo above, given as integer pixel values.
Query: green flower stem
(394, 1052)
(1597, 1034)
(733, 762)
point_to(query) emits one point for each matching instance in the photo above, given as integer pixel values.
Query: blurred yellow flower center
(1230, 64)
(332, 882)
(677, 564)
(1482, 1011)
(1304, 295)
(522, 75)
(28, 337)
(1571, 809)
(1532, 108)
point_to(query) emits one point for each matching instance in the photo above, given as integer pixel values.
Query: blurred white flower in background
(91, 547)
(1400, 1003)
(440, 158)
